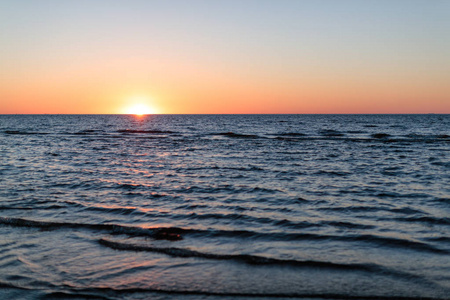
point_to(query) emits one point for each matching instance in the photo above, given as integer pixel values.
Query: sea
(225, 207)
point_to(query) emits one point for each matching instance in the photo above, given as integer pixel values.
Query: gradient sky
(246, 56)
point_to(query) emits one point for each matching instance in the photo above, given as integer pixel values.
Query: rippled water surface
(225, 206)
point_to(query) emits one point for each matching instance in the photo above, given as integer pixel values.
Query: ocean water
(225, 206)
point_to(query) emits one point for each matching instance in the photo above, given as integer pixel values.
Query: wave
(100, 292)
(37, 204)
(293, 134)
(131, 210)
(331, 133)
(238, 135)
(176, 233)
(376, 137)
(295, 225)
(74, 295)
(406, 210)
(235, 168)
(441, 239)
(387, 194)
(356, 132)
(228, 188)
(15, 208)
(23, 132)
(327, 134)
(353, 208)
(443, 136)
(415, 136)
(332, 173)
(380, 135)
(442, 200)
(32, 208)
(253, 259)
(348, 225)
(88, 132)
(9, 285)
(166, 233)
(145, 131)
(425, 219)
(441, 164)
(116, 210)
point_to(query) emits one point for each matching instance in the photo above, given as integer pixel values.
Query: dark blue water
(225, 206)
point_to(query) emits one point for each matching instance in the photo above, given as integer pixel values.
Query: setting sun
(140, 109)
(138, 106)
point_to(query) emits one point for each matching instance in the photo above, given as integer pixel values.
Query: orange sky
(261, 59)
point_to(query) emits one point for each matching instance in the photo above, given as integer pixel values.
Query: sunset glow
(277, 57)
(139, 109)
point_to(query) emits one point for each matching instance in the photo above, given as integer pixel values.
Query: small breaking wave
(245, 258)
(175, 233)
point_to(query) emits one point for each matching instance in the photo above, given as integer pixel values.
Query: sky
(211, 56)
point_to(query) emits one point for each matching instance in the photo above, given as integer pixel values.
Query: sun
(138, 105)
(140, 109)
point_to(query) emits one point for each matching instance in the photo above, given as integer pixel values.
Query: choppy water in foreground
(225, 206)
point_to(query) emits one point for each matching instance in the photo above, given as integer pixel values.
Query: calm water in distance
(224, 206)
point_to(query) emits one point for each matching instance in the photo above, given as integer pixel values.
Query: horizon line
(161, 114)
